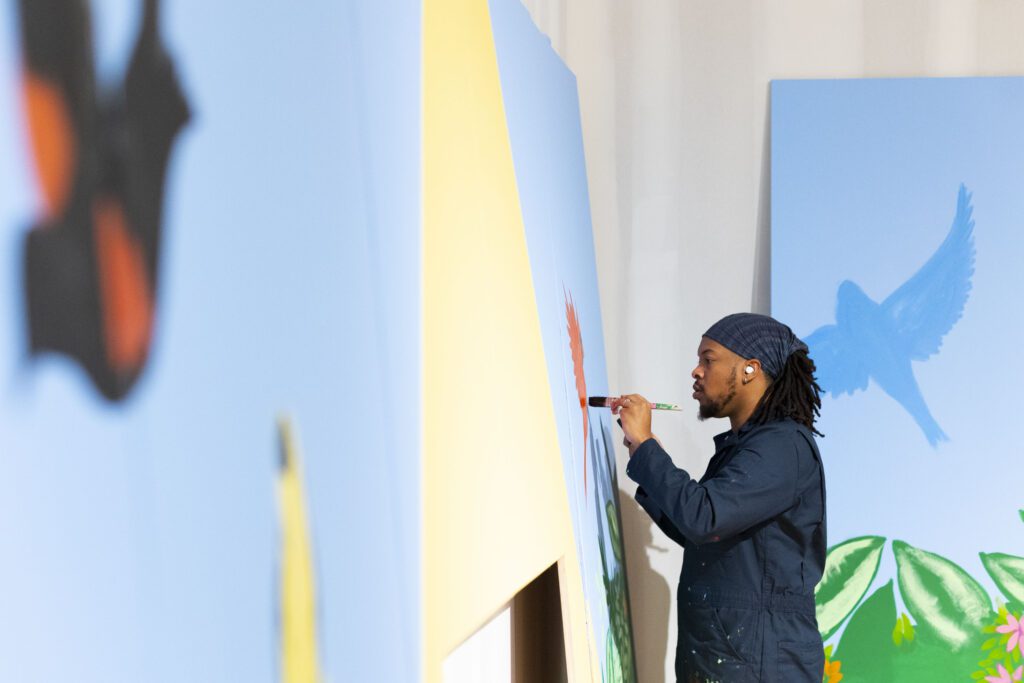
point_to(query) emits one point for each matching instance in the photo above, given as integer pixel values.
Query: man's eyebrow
(705, 352)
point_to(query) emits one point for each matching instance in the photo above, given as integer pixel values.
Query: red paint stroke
(576, 346)
(52, 139)
(126, 301)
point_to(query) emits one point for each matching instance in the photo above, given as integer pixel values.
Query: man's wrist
(635, 445)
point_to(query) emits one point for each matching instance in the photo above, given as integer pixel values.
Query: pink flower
(1015, 627)
(1004, 675)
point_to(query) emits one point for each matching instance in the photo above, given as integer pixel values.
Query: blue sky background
(865, 176)
(140, 540)
(542, 110)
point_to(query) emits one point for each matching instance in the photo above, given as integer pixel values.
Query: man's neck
(741, 417)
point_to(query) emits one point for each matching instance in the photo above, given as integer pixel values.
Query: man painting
(753, 526)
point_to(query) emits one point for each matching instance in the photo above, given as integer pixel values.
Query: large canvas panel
(896, 211)
(542, 109)
(144, 536)
(495, 513)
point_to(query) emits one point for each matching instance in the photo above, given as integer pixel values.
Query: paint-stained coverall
(753, 529)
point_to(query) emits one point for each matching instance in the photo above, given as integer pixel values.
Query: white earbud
(749, 369)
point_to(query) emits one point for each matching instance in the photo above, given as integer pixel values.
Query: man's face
(714, 385)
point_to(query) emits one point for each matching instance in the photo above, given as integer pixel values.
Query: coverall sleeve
(658, 516)
(757, 483)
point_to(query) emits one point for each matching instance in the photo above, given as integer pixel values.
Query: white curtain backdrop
(674, 101)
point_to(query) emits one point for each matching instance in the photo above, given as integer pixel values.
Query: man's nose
(694, 373)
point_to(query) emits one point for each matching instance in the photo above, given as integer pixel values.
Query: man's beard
(712, 408)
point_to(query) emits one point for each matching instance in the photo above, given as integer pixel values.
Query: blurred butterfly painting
(91, 259)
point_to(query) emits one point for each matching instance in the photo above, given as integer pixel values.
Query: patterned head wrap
(750, 335)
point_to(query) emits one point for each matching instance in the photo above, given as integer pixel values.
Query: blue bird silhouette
(878, 341)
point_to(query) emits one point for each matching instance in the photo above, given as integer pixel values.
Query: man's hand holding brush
(634, 412)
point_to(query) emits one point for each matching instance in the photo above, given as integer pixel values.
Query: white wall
(484, 656)
(674, 99)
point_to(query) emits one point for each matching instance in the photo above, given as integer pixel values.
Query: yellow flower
(832, 672)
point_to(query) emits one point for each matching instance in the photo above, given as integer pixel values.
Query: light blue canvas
(542, 110)
(896, 229)
(141, 539)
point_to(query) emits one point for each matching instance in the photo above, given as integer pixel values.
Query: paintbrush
(606, 402)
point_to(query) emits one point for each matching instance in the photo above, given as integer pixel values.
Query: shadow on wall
(650, 594)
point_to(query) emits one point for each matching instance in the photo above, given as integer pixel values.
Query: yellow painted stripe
(299, 659)
(495, 509)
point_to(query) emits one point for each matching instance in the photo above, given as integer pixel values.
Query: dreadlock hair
(793, 394)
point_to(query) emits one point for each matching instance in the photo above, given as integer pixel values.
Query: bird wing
(840, 369)
(927, 305)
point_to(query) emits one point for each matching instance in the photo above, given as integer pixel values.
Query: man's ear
(751, 370)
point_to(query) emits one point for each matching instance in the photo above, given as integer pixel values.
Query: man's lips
(697, 391)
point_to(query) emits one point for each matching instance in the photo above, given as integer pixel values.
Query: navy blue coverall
(753, 529)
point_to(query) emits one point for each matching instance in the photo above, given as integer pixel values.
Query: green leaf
(903, 631)
(612, 661)
(612, 515)
(941, 596)
(908, 629)
(865, 648)
(850, 567)
(1008, 573)
(929, 660)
